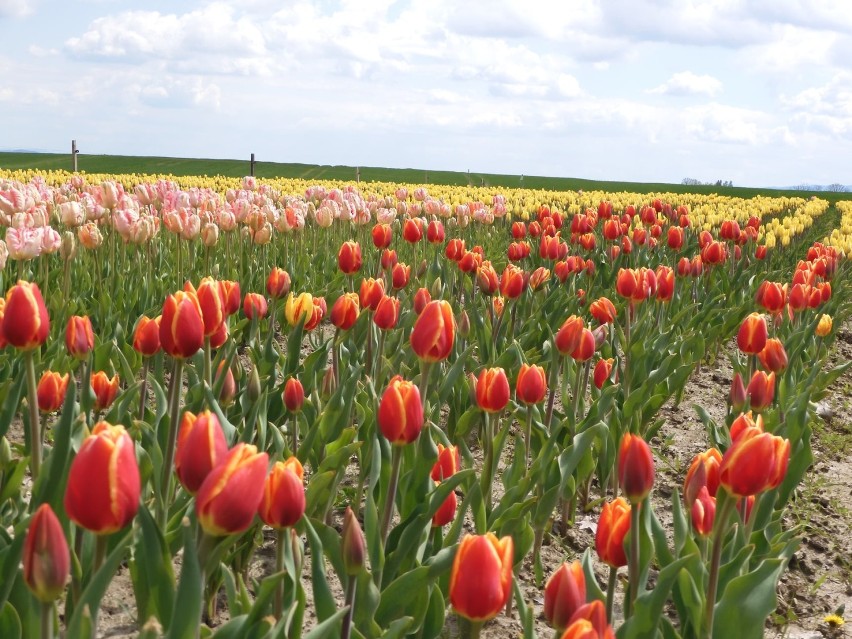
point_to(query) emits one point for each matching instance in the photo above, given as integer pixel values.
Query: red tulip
(212, 305)
(512, 282)
(349, 257)
(589, 622)
(448, 464)
(569, 335)
(519, 230)
(435, 232)
(231, 297)
(421, 298)
(371, 293)
(492, 390)
(455, 249)
(228, 499)
(400, 415)
(603, 310)
(531, 385)
(773, 357)
(755, 462)
(487, 278)
(278, 283)
(382, 235)
(665, 283)
(761, 390)
(585, 348)
(26, 324)
(564, 593)
(411, 231)
(345, 311)
(182, 325)
(51, 391)
(389, 259)
(613, 526)
(79, 338)
(602, 372)
(703, 512)
(400, 275)
(283, 501)
(446, 511)
(703, 473)
(105, 389)
(387, 313)
(201, 446)
(354, 548)
(102, 493)
(434, 332)
(146, 337)
(751, 337)
(635, 468)
(254, 306)
(772, 296)
(294, 395)
(47, 559)
(675, 238)
(481, 578)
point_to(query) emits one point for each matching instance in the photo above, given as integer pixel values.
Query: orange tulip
(492, 390)
(434, 332)
(102, 493)
(512, 282)
(213, 314)
(278, 283)
(201, 446)
(613, 526)
(79, 338)
(448, 464)
(603, 310)
(389, 259)
(569, 335)
(387, 313)
(703, 473)
(481, 578)
(51, 391)
(283, 501)
(737, 396)
(602, 372)
(345, 311)
(255, 306)
(773, 357)
(487, 278)
(400, 415)
(231, 297)
(470, 262)
(446, 511)
(703, 512)
(105, 389)
(531, 385)
(349, 257)
(400, 275)
(539, 278)
(755, 462)
(382, 235)
(182, 325)
(371, 293)
(47, 559)
(752, 335)
(228, 499)
(421, 298)
(635, 468)
(455, 249)
(294, 395)
(26, 324)
(761, 390)
(564, 593)
(146, 337)
(772, 296)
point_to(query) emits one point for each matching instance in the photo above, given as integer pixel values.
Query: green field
(239, 168)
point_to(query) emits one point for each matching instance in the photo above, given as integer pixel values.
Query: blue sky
(758, 92)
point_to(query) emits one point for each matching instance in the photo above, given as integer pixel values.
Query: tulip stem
(396, 459)
(554, 378)
(280, 546)
(47, 620)
(208, 366)
(719, 529)
(610, 592)
(351, 586)
(528, 435)
(488, 462)
(143, 390)
(168, 458)
(633, 565)
(35, 421)
(470, 629)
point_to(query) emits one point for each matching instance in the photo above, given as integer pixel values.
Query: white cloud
(17, 8)
(825, 110)
(689, 83)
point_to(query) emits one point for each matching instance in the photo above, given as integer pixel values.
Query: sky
(758, 92)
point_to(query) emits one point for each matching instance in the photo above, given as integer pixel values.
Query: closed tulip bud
(761, 390)
(752, 335)
(446, 511)
(773, 357)
(254, 306)
(448, 464)
(400, 275)
(349, 257)
(182, 325)
(212, 306)
(592, 616)
(760, 252)
(231, 297)
(703, 473)
(68, 248)
(411, 231)
(201, 446)
(635, 468)
(26, 324)
(464, 324)
(512, 282)
(481, 578)
(492, 390)
(665, 283)
(228, 498)
(79, 338)
(382, 235)
(105, 389)
(146, 337)
(603, 310)
(531, 385)
(278, 283)
(400, 415)
(371, 293)
(585, 348)
(435, 232)
(613, 526)
(47, 559)
(703, 512)
(772, 296)
(283, 501)
(539, 278)
(755, 462)
(389, 259)
(569, 335)
(737, 395)
(294, 395)
(253, 387)
(51, 391)
(487, 278)
(823, 327)
(434, 332)
(497, 304)
(6, 453)
(602, 372)
(344, 312)
(564, 593)
(675, 238)
(102, 493)
(353, 546)
(387, 313)
(229, 385)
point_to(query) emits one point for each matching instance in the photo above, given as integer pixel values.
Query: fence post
(74, 152)
(251, 167)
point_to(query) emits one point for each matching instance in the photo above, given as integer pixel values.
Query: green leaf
(190, 597)
(400, 594)
(323, 599)
(649, 605)
(10, 623)
(330, 628)
(155, 590)
(747, 602)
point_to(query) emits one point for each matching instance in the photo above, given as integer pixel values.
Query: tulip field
(251, 408)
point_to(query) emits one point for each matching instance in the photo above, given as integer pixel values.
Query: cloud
(17, 8)
(689, 83)
(825, 110)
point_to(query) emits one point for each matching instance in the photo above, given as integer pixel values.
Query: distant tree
(690, 182)
(836, 188)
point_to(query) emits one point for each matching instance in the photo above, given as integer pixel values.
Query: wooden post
(74, 152)
(251, 167)
(357, 173)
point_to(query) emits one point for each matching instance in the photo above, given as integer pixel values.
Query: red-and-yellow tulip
(434, 332)
(703, 472)
(602, 372)
(231, 297)
(105, 389)
(569, 334)
(400, 415)
(79, 337)
(26, 324)
(635, 468)
(371, 293)
(603, 310)
(255, 306)
(531, 385)
(752, 335)
(182, 325)
(293, 395)
(47, 559)
(703, 512)
(51, 391)
(448, 464)
(387, 313)
(400, 275)
(146, 337)
(773, 357)
(382, 235)
(755, 462)
(761, 390)
(345, 311)
(201, 446)
(481, 578)
(283, 501)
(278, 283)
(349, 257)
(613, 526)
(492, 390)
(564, 593)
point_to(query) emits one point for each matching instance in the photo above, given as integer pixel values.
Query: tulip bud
(294, 395)
(446, 511)
(201, 446)
(703, 512)
(400, 415)
(448, 464)
(47, 559)
(230, 296)
(329, 384)
(229, 385)
(531, 385)
(354, 550)
(613, 526)
(105, 389)
(68, 248)
(212, 306)
(752, 335)
(602, 372)
(492, 390)
(79, 338)
(387, 313)
(283, 502)
(464, 324)
(253, 388)
(349, 257)
(823, 328)
(26, 324)
(773, 357)
(761, 390)
(345, 311)
(434, 332)
(182, 325)
(569, 335)
(603, 310)
(6, 453)
(51, 391)
(421, 298)
(737, 396)
(564, 593)
(481, 578)
(635, 468)
(103, 488)
(255, 306)
(437, 289)
(146, 337)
